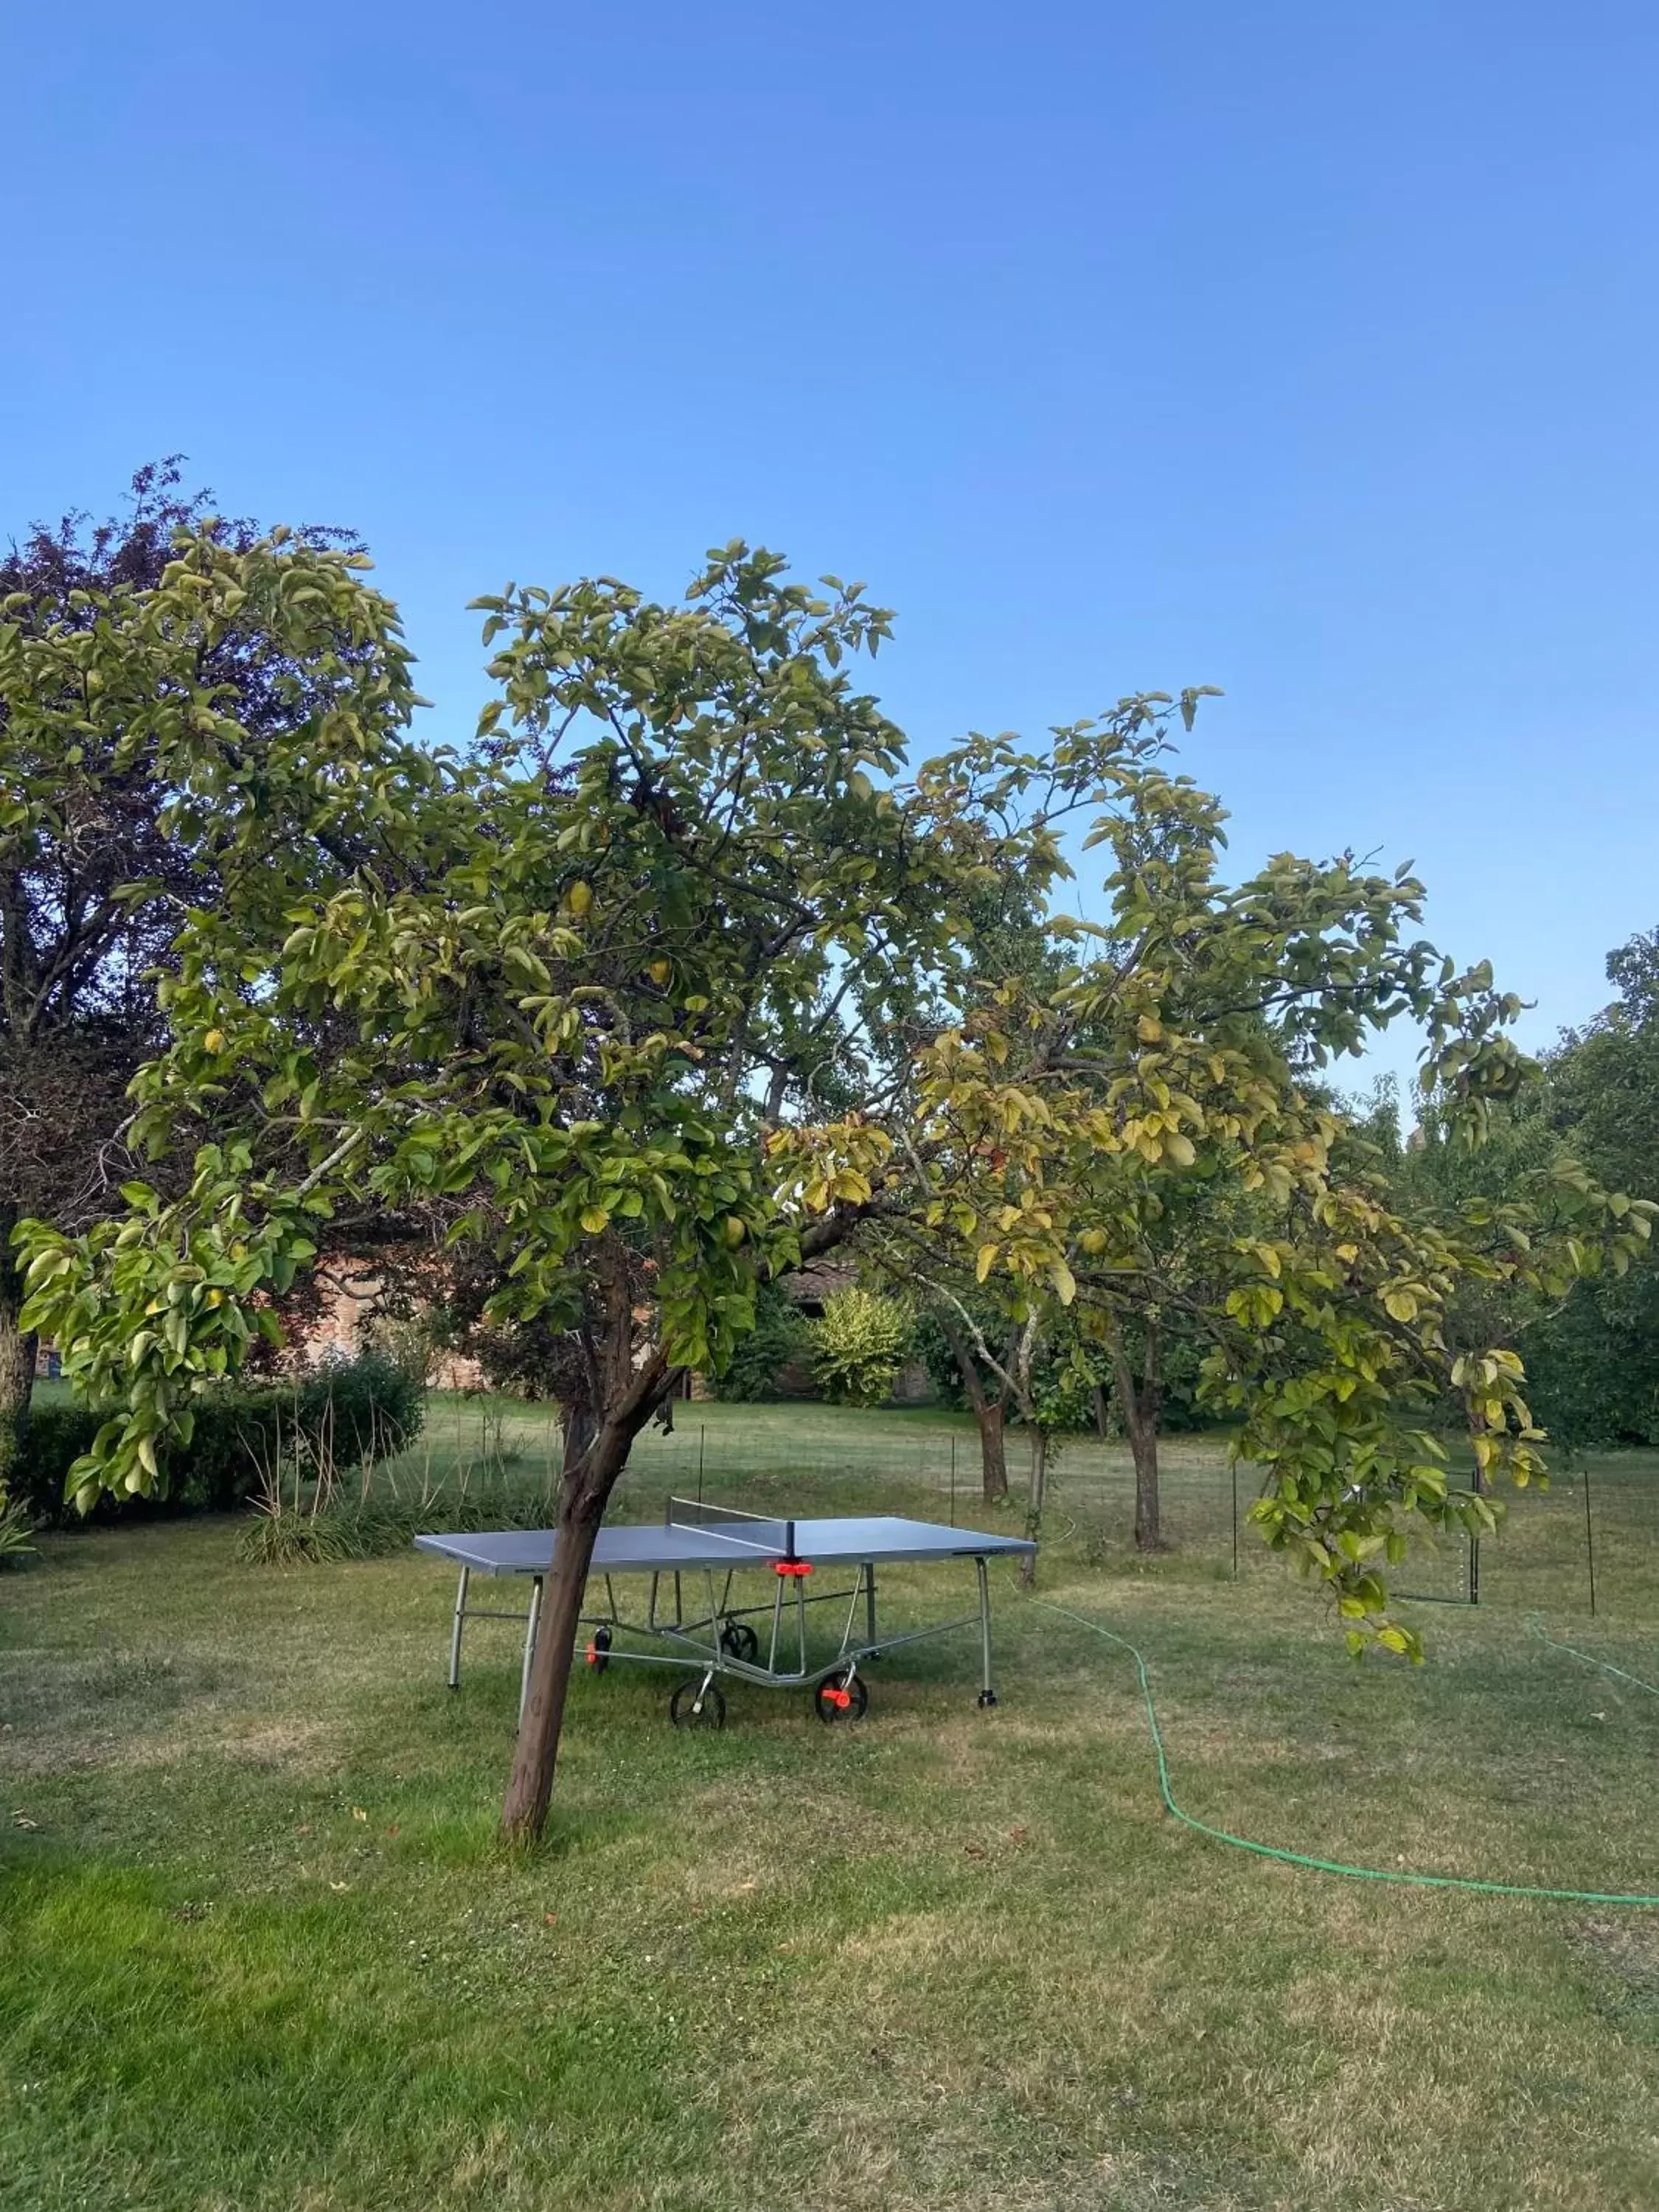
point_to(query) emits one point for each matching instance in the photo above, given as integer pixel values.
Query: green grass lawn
(259, 1947)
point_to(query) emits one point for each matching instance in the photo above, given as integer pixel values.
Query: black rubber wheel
(848, 1699)
(739, 1639)
(688, 1710)
(599, 1649)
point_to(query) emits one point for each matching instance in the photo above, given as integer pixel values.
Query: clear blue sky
(1306, 350)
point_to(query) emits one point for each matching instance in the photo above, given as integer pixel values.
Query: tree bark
(1035, 1493)
(17, 1351)
(576, 1417)
(581, 1509)
(1141, 1402)
(584, 1493)
(992, 1449)
(990, 1414)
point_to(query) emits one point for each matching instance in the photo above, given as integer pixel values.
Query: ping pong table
(726, 1628)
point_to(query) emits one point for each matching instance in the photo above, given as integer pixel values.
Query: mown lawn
(259, 1947)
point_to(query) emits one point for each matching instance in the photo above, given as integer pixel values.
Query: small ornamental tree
(859, 1346)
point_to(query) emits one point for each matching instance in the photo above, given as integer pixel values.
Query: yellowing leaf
(580, 899)
(986, 1261)
(594, 1219)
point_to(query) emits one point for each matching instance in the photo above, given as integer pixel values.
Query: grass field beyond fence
(259, 1948)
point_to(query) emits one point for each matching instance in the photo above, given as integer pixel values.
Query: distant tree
(99, 861)
(1591, 1345)
(1597, 1365)
(954, 1322)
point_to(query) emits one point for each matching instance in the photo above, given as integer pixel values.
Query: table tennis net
(749, 1532)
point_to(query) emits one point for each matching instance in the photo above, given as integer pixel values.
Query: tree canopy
(102, 852)
(682, 972)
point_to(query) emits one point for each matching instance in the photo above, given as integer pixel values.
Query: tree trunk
(581, 1509)
(17, 1350)
(1036, 1491)
(585, 1491)
(1142, 1403)
(576, 1417)
(990, 1415)
(1102, 1413)
(992, 1449)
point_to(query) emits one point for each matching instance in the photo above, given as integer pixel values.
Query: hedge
(351, 1410)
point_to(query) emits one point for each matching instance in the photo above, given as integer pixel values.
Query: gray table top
(664, 1547)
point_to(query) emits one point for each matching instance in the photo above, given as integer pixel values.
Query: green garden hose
(1336, 1866)
(1590, 1660)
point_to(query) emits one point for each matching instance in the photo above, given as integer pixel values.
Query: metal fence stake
(1589, 1539)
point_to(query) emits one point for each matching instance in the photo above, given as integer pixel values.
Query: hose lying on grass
(1337, 1866)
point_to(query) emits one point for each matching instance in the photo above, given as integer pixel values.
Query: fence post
(1589, 1536)
(953, 1481)
(1235, 1466)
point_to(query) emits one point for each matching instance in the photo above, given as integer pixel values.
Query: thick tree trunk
(591, 1472)
(1036, 1493)
(581, 1509)
(990, 1415)
(580, 1429)
(1143, 1445)
(1141, 1402)
(993, 1450)
(1102, 1412)
(17, 1351)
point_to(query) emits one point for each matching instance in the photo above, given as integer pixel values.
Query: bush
(16, 1528)
(54, 1440)
(291, 1536)
(858, 1346)
(781, 1335)
(366, 1408)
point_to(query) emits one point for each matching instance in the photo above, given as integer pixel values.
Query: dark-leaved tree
(98, 866)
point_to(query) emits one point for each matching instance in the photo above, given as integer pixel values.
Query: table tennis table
(711, 1550)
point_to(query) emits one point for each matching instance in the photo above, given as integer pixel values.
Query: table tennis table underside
(721, 1637)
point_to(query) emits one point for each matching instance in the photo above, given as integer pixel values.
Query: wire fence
(1588, 1542)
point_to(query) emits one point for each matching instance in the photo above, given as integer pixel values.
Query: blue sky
(1304, 349)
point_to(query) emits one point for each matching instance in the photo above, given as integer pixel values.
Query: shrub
(16, 1528)
(285, 1535)
(781, 1335)
(859, 1344)
(54, 1440)
(329, 1422)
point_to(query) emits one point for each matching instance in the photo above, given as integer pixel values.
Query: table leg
(987, 1696)
(532, 1625)
(455, 1633)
